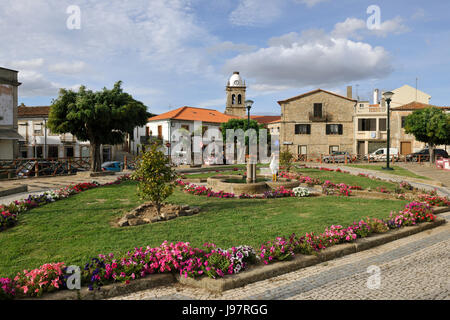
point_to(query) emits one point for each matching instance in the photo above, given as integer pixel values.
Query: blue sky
(171, 53)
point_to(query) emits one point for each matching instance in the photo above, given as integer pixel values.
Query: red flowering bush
(7, 290)
(434, 201)
(47, 278)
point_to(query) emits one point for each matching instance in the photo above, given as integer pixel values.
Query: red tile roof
(265, 119)
(416, 106)
(194, 114)
(41, 111)
(312, 92)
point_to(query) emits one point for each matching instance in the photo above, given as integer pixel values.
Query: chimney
(376, 96)
(349, 92)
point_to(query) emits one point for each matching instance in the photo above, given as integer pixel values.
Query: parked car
(45, 168)
(381, 154)
(424, 155)
(115, 166)
(337, 156)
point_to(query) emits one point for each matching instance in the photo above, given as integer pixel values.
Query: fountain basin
(236, 184)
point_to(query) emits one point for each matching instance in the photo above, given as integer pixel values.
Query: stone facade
(8, 114)
(335, 110)
(236, 89)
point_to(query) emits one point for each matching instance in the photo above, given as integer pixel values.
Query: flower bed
(9, 213)
(211, 261)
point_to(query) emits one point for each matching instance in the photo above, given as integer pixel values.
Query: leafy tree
(430, 125)
(242, 124)
(155, 175)
(286, 159)
(102, 117)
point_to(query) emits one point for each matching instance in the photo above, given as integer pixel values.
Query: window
(185, 127)
(302, 150)
(147, 131)
(302, 129)
(317, 110)
(403, 121)
(69, 152)
(334, 129)
(160, 132)
(52, 151)
(233, 99)
(367, 124)
(239, 99)
(38, 152)
(204, 128)
(334, 149)
(382, 124)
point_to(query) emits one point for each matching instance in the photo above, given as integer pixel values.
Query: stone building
(317, 122)
(9, 137)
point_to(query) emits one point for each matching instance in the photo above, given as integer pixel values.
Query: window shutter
(308, 129)
(340, 128)
(327, 129)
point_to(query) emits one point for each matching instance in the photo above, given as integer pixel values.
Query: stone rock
(123, 223)
(136, 222)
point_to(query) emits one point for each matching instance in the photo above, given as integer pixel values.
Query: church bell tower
(236, 96)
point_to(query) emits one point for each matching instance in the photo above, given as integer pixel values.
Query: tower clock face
(236, 82)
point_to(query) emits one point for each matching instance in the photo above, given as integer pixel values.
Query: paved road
(416, 267)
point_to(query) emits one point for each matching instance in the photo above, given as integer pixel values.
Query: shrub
(49, 277)
(377, 225)
(7, 290)
(286, 159)
(155, 176)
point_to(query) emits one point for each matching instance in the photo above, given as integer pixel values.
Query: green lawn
(399, 171)
(77, 228)
(349, 179)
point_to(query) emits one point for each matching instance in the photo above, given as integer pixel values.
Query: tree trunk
(432, 154)
(96, 165)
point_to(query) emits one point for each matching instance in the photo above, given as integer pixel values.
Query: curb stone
(14, 190)
(111, 290)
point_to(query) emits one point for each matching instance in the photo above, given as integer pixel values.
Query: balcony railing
(371, 109)
(325, 117)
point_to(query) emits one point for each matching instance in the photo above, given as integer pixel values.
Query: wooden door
(405, 148)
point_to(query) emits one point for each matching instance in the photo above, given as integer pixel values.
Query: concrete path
(426, 171)
(40, 185)
(415, 267)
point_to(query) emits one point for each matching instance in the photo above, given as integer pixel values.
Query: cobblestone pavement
(415, 267)
(39, 185)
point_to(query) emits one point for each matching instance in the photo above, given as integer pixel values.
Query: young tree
(430, 125)
(102, 117)
(155, 175)
(287, 159)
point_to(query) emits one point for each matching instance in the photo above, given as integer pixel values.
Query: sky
(174, 53)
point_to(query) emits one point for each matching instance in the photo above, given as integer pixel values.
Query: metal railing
(22, 168)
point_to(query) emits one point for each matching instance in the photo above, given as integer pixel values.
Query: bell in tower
(236, 96)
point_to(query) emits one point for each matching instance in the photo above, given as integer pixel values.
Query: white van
(381, 153)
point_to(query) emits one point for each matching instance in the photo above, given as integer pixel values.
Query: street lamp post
(388, 97)
(251, 169)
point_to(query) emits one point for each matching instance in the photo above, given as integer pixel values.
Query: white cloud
(68, 67)
(35, 84)
(310, 3)
(27, 64)
(357, 28)
(255, 13)
(229, 46)
(310, 59)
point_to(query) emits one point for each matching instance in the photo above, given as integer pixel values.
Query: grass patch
(349, 179)
(399, 171)
(73, 232)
